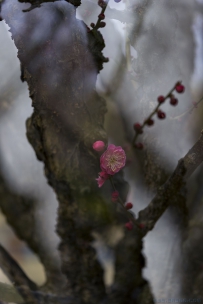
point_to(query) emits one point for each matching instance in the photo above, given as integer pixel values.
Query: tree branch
(14, 272)
(186, 166)
(68, 118)
(9, 293)
(15, 207)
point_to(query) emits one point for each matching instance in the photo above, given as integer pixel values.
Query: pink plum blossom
(103, 176)
(113, 159)
(98, 145)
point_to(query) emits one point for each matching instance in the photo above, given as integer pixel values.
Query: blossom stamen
(113, 159)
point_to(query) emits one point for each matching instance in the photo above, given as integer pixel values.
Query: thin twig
(128, 214)
(13, 270)
(9, 293)
(188, 111)
(153, 113)
(102, 12)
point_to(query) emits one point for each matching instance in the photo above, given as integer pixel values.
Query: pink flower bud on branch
(160, 114)
(98, 145)
(150, 122)
(141, 225)
(139, 146)
(128, 206)
(129, 226)
(180, 88)
(102, 3)
(101, 16)
(161, 99)
(102, 24)
(138, 128)
(173, 101)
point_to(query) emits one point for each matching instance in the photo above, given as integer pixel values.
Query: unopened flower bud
(101, 16)
(139, 146)
(180, 88)
(98, 145)
(102, 24)
(161, 99)
(128, 206)
(137, 127)
(150, 122)
(173, 101)
(161, 115)
(141, 225)
(129, 226)
(101, 3)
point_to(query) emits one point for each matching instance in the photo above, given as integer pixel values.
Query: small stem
(127, 43)
(152, 114)
(128, 214)
(102, 12)
(127, 51)
(189, 110)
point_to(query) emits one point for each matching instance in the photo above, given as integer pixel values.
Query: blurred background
(151, 45)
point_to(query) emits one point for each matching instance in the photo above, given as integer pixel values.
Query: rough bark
(15, 207)
(60, 63)
(63, 127)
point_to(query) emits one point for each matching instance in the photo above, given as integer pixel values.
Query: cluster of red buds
(103, 4)
(129, 225)
(100, 23)
(179, 88)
